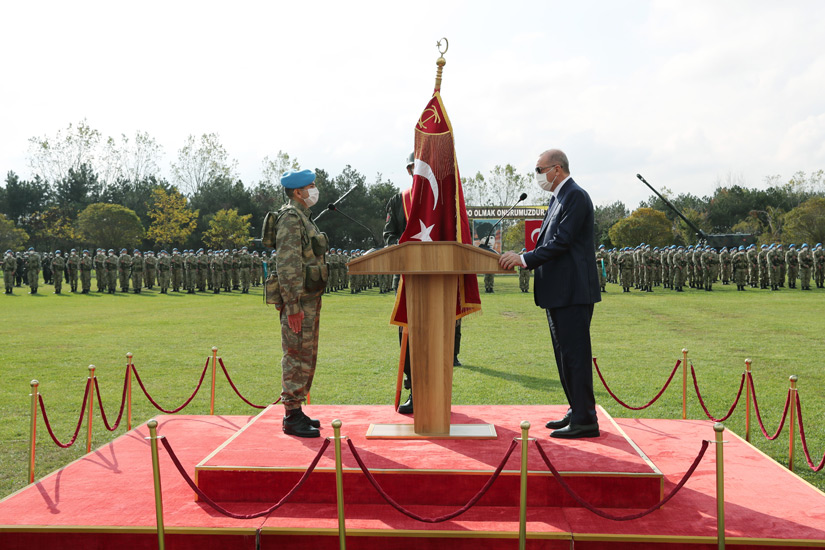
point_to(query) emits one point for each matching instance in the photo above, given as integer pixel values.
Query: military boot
(407, 406)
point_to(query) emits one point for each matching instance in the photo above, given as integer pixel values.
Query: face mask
(541, 179)
(312, 198)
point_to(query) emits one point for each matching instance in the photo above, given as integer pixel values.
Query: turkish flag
(531, 233)
(435, 210)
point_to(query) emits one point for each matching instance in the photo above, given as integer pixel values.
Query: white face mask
(541, 179)
(312, 198)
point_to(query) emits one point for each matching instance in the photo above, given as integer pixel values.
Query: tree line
(87, 190)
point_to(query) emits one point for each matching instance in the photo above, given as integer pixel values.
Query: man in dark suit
(566, 285)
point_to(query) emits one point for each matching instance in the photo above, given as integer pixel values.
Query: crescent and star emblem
(535, 234)
(423, 169)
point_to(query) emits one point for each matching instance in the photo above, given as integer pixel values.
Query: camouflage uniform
(203, 270)
(150, 269)
(792, 261)
(111, 271)
(137, 272)
(753, 266)
(164, 271)
(73, 265)
(100, 270)
(818, 254)
(9, 269)
(215, 270)
(740, 268)
(601, 266)
(245, 262)
(33, 265)
(489, 282)
(626, 264)
(86, 265)
(806, 262)
(177, 270)
(725, 258)
(58, 265)
(302, 274)
(524, 279)
(124, 269)
(190, 263)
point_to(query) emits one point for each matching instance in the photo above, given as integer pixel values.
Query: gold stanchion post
(522, 512)
(33, 432)
(129, 391)
(792, 427)
(339, 485)
(153, 440)
(684, 383)
(719, 428)
(91, 406)
(748, 394)
(214, 367)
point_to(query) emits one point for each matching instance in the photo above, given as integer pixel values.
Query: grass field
(506, 353)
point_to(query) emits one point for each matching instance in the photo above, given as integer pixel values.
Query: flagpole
(440, 62)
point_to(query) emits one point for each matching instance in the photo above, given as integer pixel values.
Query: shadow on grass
(532, 382)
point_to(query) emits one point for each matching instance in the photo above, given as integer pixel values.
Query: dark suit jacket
(564, 259)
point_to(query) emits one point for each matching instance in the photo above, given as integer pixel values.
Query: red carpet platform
(106, 500)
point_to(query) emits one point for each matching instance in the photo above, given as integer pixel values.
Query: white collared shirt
(556, 196)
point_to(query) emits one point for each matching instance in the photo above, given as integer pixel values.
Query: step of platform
(261, 464)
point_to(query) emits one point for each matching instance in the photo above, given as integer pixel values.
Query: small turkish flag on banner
(531, 233)
(435, 210)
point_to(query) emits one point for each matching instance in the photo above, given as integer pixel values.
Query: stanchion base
(407, 431)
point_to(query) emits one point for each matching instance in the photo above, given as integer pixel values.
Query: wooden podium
(431, 275)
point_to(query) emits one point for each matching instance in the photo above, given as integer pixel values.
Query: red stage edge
(105, 499)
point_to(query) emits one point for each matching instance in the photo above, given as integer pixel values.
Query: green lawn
(506, 352)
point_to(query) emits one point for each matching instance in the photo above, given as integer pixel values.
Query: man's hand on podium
(509, 260)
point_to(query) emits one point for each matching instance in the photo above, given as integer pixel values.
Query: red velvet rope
(649, 403)
(802, 437)
(173, 411)
(605, 515)
(759, 416)
(702, 401)
(231, 383)
(122, 404)
(423, 519)
(220, 509)
(79, 420)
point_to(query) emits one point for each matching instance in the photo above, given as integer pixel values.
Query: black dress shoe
(456, 362)
(299, 424)
(576, 431)
(407, 406)
(560, 423)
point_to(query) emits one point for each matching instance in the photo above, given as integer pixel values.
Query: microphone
(485, 244)
(331, 206)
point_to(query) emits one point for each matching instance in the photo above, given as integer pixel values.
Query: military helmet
(410, 159)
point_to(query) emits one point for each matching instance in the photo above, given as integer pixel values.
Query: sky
(689, 94)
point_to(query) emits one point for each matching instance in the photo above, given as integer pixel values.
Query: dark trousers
(570, 332)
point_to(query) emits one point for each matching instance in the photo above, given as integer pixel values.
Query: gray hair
(556, 156)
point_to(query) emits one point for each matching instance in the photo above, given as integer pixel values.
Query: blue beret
(294, 179)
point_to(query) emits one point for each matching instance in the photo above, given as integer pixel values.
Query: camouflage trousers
(8, 278)
(300, 354)
(86, 280)
(137, 280)
(34, 278)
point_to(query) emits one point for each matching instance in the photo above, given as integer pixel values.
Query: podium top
(427, 258)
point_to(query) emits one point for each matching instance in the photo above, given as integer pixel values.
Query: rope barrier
(438, 519)
(702, 401)
(122, 404)
(804, 442)
(649, 403)
(231, 383)
(759, 416)
(173, 411)
(79, 420)
(220, 509)
(612, 517)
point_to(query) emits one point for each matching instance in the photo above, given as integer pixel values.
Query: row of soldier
(189, 271)
(768, 266)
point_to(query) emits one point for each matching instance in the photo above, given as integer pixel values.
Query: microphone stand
(331, 206)
(335, 203)
(485, 243)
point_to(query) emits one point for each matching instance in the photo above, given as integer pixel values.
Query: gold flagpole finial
(440, 62)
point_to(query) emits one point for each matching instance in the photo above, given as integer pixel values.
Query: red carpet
(106, 500)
